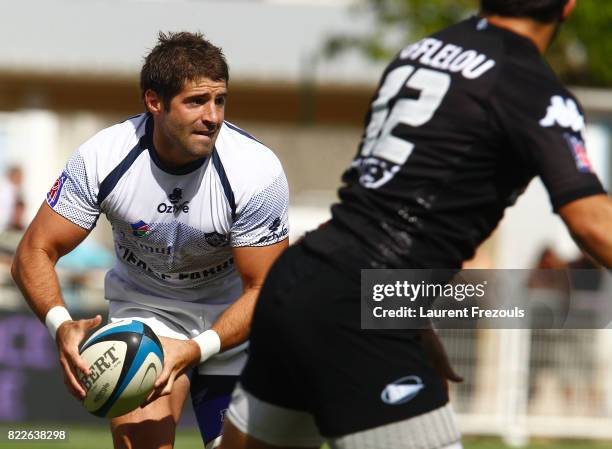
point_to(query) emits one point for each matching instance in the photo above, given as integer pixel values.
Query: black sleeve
(544, 123)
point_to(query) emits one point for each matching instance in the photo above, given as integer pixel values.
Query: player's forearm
(593, 236)
(589, 220)
(234, 324)
(598, 245)
(34, 273)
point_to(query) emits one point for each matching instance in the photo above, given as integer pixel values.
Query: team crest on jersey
(56, 190)
(376, 172)
(140, 229)
(215, 239)
(578, 149)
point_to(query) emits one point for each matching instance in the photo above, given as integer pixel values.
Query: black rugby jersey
(460, 124)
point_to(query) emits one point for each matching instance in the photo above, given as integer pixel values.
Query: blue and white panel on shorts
(210, 396)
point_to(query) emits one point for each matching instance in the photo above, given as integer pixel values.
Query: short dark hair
(178, 58)
(544, 11)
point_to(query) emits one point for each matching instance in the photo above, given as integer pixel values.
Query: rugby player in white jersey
(199, 213)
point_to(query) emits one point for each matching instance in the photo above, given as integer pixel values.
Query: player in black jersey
(460, 124)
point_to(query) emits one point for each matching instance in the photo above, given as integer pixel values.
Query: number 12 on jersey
(379, 142)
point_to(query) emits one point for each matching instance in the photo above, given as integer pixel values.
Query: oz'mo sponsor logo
(564, 113)
(275, 234)
(402, 390)
(175, 203)
(106, 361)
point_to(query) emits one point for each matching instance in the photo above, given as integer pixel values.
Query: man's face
(191, 125)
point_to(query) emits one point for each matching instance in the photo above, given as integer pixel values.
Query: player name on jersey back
(439, 55)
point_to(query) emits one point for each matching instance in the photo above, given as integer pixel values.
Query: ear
(153, 102)
(568, 8)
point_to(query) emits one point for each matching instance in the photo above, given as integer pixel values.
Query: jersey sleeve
(545, 124)
(73, 195)
(264, 220)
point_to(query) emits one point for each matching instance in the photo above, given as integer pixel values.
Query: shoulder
(527, 85)
(248, 163)
(107, 148)
(523, 69)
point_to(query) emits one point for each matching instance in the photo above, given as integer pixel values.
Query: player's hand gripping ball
(124, 358)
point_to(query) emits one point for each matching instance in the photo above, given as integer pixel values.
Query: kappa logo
(56, 190)
(564, 113)
(402, 390)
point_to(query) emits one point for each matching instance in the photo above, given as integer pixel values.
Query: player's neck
(541, 34)
(167, 154)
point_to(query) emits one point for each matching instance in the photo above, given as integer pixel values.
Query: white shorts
(182, 320)
(280, 426)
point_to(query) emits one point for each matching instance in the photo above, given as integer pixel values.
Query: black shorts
(308, 351)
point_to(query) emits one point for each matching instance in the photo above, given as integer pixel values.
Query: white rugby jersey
(174, 229)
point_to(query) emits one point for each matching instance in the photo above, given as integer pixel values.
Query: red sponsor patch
(578, 149)
(56, 190)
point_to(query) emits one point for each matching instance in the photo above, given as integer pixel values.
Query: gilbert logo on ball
(124, 358)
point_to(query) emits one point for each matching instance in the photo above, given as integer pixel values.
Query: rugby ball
(124, 358)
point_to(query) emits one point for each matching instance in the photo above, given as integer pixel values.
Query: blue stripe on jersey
(227, 188)
(240, 131)
(109, 183)
(131, 117)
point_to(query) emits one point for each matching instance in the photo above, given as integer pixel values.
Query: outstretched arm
(589, 221)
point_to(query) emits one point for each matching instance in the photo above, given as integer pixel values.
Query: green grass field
(81, 437)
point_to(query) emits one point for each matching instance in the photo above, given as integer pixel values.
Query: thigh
(153, 426)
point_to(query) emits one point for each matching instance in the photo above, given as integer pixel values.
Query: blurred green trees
(581, 54)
